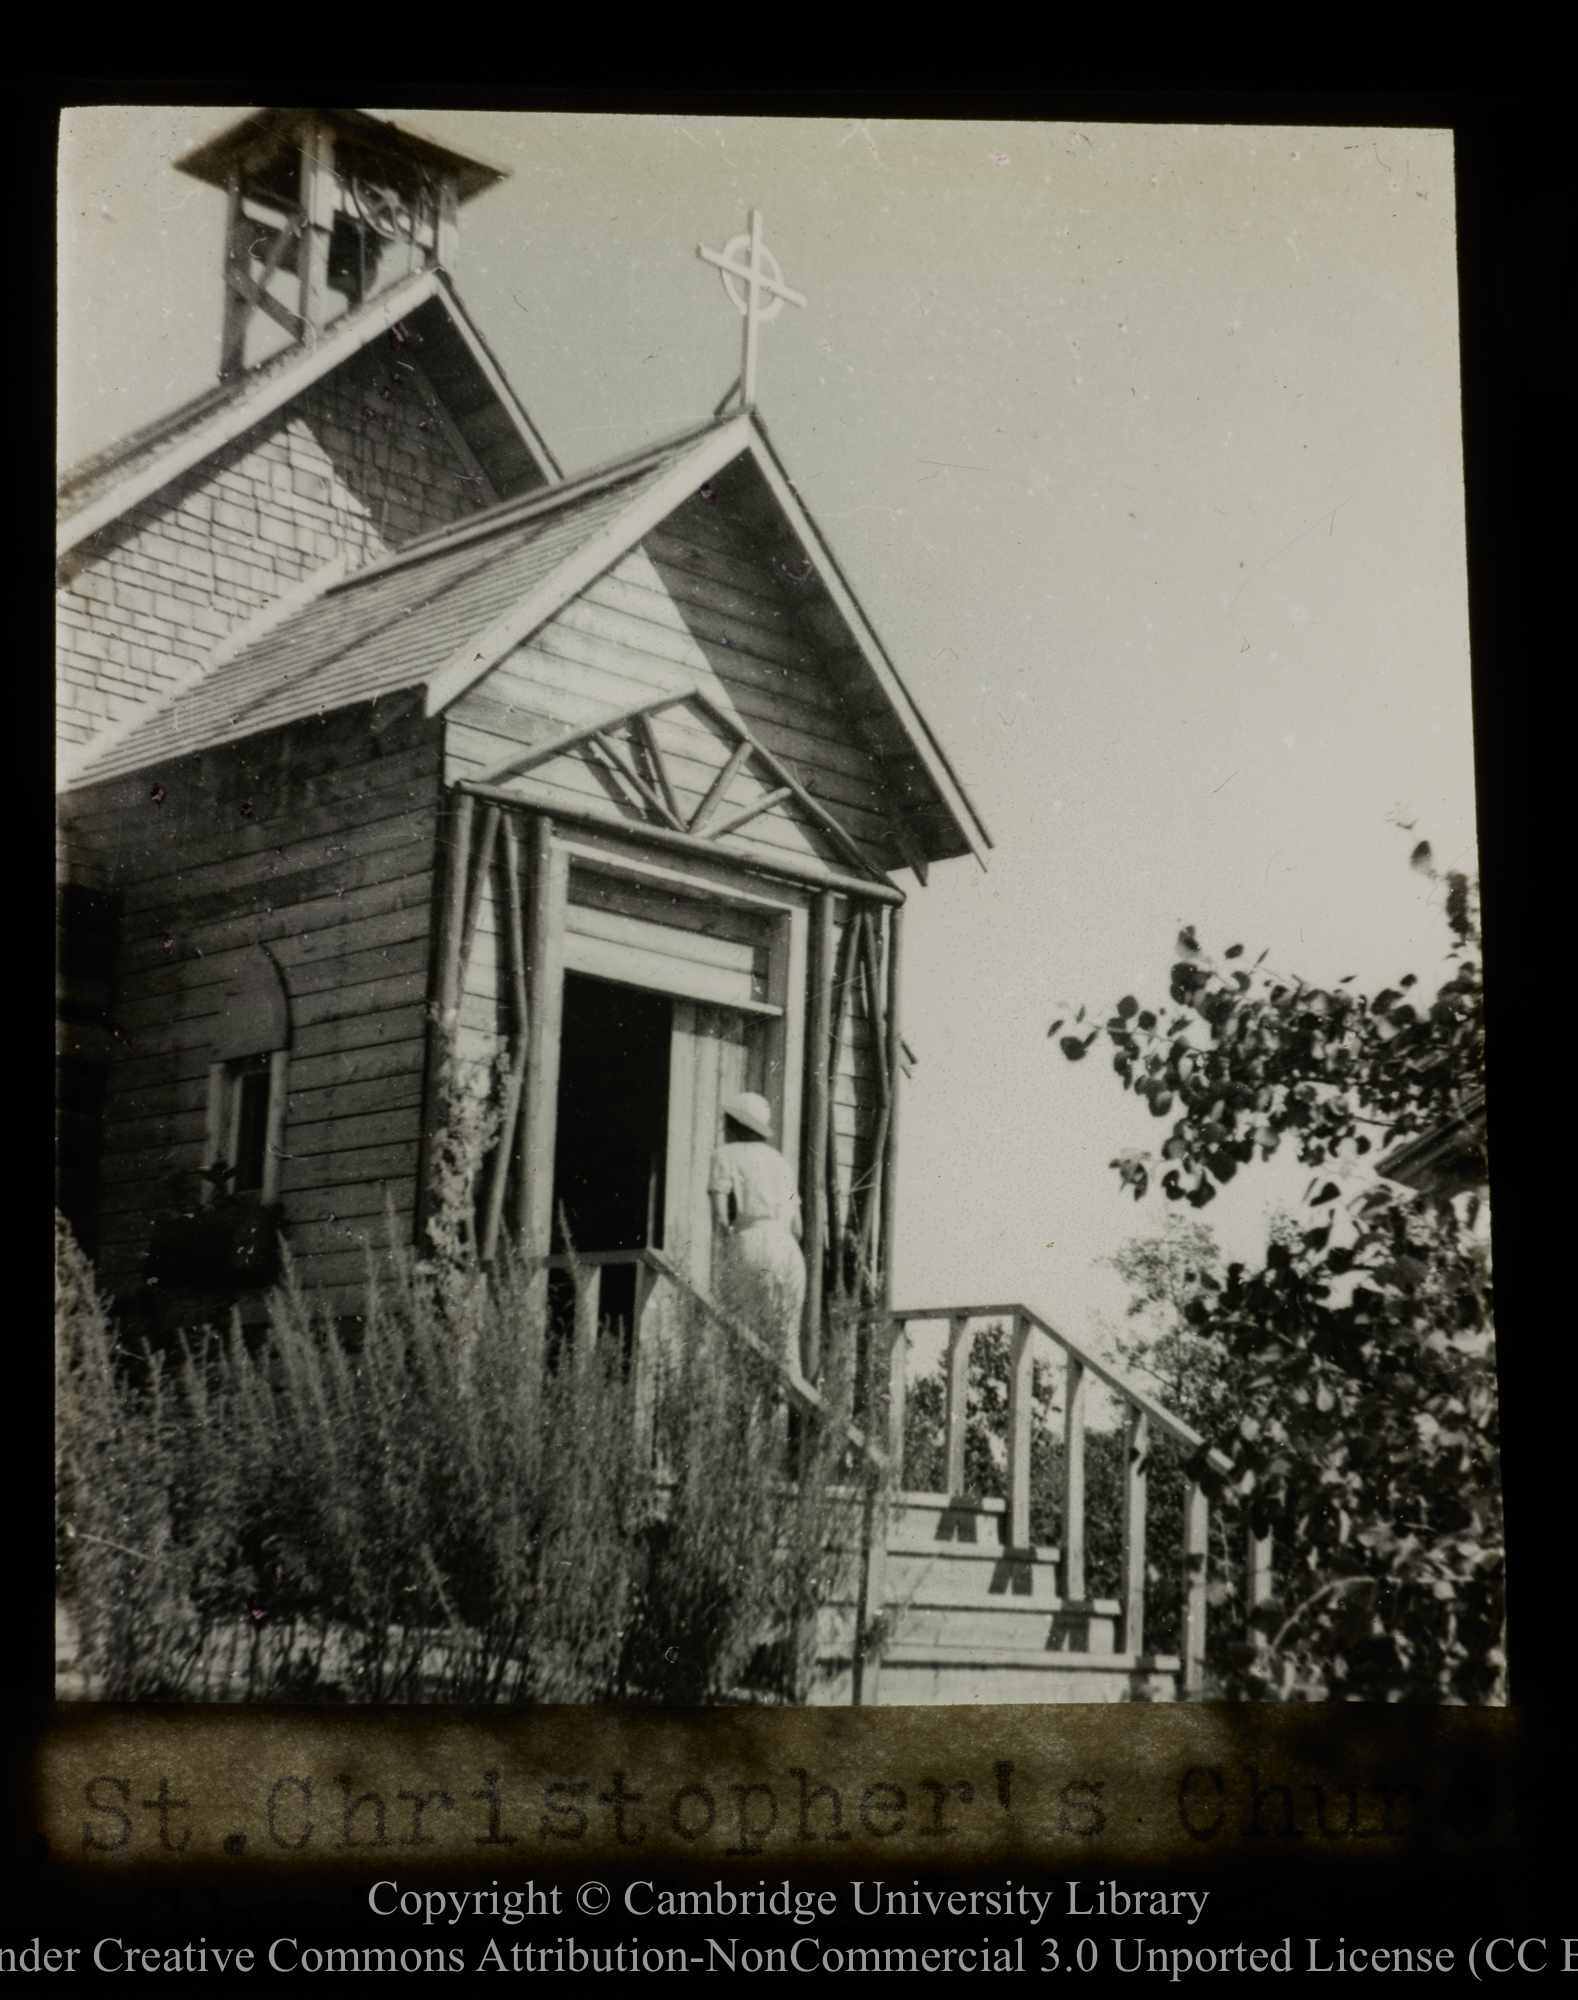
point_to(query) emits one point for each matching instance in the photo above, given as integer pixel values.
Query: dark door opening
(612, 1134)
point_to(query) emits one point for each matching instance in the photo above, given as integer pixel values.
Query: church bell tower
(327, 208)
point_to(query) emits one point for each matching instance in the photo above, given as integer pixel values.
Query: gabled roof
(453, 353)
(442, 612)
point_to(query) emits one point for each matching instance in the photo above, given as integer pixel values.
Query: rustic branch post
(1196, 1544)
(1021, 1379)
(960, 1343)
(1074, 1481)
(817, 1124)
(1136, 1471)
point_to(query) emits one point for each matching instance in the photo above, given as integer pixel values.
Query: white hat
(746, 1108)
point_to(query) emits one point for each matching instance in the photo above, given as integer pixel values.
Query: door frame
(788, 910)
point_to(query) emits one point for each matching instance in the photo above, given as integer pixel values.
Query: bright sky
(1140, 448)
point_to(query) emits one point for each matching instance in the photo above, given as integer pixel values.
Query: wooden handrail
(798, 1392)
(1131, 1392)
(1143, 1416)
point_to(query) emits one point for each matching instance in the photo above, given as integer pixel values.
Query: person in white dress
(759, 1275)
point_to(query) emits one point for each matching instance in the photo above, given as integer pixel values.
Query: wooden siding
(318, 842)
(698, 605)
(361, 462)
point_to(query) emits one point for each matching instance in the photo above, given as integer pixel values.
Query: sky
(1140, 447)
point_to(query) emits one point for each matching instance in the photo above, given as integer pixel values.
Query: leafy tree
(1360, 1413)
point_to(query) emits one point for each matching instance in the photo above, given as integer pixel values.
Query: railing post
(1074, 1481)
(1136, 1454)
(1021, 1378)
(898, 1357)
(959, 1345)
(1196, 1550)
(870, 1604)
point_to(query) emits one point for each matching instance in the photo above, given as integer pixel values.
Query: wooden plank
(743, 815)
(711, 627)
(515, 1082)
(961, 1342)
(888, 1195)
(315, 976)
(352, 1032)
(317, 866)
(794, 868)
(661, 972)
(452, 903)
(592, 633)
(835, 1205)
(897, 1385)
(351, 1166)
(603, 746)
(686, 943)
(1196, 1598)
(711, 602)
(545, 999)
(1021, 1406)
(479, 730)
(866, 1667)
(331, 1068)
(654, 749)
(813, 1176)
(398, 907)
(716, 791)
(371, 997)
(1131, 1583)
(350, 1202)
(158, 877)
(687, 555)
(572, 739)
(1073, 1536)
(391, 1126)
(307, 959)
(401, 1088)
(480, 885)
(562, 678)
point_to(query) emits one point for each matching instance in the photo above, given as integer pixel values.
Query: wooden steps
(970, 1619)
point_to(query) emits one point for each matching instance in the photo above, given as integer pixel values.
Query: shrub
(431, 1504)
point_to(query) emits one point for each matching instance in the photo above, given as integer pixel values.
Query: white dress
(761, 1274)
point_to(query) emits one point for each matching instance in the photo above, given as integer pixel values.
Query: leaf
(1146, 1020)
(1188, 942)
(1420, 858)
(1234, 951)
(1128, 1006)
(1054, 1028)
(1329, 1192)
(1072, 1047)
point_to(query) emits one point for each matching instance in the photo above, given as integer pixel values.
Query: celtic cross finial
(761, 275)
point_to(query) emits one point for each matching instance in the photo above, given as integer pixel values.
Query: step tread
(917, 1653)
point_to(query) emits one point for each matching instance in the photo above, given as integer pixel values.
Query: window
(246, 1084)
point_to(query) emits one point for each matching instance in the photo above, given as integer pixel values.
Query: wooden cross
(761, 274)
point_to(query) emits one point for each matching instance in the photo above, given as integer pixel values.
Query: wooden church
(417, 790)
(427, 764)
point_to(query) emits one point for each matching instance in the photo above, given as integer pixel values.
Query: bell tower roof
(327, 208)
(248, 145)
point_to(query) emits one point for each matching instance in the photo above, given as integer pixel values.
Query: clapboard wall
(358, 464)
(701, 603)
(317, 841)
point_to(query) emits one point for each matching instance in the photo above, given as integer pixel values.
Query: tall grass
(435, 1503)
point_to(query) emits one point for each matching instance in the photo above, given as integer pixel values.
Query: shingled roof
(444, 610)
(442, 336)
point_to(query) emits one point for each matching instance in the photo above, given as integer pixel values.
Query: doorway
(611, 1139)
